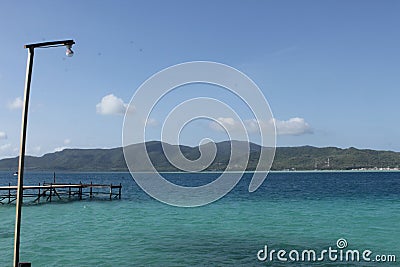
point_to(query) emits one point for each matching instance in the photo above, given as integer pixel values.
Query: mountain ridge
(286, 158)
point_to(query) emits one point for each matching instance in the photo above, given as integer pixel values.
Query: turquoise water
(290, 211)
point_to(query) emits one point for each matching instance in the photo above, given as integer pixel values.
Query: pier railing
(48, 192)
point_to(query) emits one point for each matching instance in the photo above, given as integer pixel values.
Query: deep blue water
(294, 210)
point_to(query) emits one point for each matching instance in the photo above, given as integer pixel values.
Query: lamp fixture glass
(69, 51)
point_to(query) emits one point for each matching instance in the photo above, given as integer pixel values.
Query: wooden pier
(61, 192)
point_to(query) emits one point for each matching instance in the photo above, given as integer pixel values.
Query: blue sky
(329, 69)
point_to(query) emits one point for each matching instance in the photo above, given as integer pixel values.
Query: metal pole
(22, 156)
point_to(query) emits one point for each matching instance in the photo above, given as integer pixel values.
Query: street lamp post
(20, 189)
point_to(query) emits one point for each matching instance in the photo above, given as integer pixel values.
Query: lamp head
(69, 51)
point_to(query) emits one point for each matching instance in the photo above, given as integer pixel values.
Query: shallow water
(290, 211)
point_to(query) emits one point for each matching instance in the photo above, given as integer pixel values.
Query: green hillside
(286, 158)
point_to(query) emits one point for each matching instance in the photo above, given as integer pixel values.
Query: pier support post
(80, 191)
(9, 193)
(51, 191)
(38, 197)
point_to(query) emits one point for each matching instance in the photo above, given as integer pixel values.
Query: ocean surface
(290, 211)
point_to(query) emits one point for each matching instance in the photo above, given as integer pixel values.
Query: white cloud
(58, 149)
(5, 147)
(6, 151)
(67, 141)
(112, 105)
(151, 122)
(3, 135)
(293, 126)
(230, 124)
(17, 103)
(253, 126)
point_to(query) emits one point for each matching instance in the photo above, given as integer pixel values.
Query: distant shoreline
(211, 172)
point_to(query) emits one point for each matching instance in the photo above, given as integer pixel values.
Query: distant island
(286, 158)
